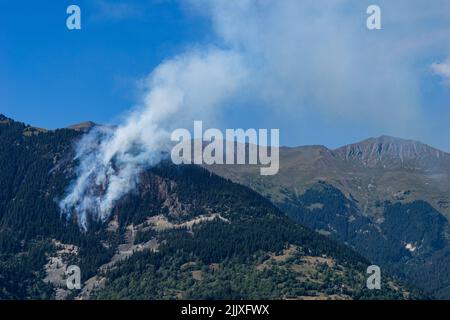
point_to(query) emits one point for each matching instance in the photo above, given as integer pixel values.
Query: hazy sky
(310, 68)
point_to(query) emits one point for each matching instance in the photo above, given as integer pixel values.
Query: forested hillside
(408, 239)
(183, 234)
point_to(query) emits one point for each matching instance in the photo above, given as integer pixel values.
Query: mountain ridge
(380, 141)
(373, 151)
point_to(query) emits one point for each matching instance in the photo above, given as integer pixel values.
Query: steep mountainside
(386, 197)
(184, 233)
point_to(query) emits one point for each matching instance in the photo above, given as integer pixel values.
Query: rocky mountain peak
(386, 148)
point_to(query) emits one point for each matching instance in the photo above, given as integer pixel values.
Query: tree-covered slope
(408, 239)
(184, 233)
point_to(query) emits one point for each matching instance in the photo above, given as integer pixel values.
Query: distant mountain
(386, 197)
(394, 153)
(184, 233)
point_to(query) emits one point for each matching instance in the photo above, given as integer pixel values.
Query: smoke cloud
(110, 159)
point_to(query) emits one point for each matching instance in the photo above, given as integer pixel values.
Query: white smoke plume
(179, 90)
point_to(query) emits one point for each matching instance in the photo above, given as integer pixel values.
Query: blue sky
(52, 77)
(316, 72)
